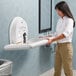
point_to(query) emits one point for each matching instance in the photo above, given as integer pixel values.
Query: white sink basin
(35, 42)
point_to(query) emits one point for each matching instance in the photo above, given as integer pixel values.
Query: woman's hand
(49, 41)
(54, 39)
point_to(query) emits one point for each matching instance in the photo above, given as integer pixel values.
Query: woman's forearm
(58, 37)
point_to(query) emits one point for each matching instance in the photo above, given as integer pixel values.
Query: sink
(31, 43)
(5, 67)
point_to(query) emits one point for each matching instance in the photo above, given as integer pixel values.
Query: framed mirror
(45, 15)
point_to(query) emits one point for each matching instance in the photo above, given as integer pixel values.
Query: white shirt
(65, 26)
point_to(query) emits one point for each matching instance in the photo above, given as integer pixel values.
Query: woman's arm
(67, 31)
(56, 38)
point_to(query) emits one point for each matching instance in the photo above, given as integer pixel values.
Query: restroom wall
(72, 5)
(32, 62)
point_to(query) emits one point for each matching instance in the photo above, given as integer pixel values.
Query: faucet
(24, 37)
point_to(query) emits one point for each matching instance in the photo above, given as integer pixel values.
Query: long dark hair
(64, 8)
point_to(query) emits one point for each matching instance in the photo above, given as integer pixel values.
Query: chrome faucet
(24, 37)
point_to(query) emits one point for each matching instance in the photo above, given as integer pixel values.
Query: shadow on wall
(45, 56)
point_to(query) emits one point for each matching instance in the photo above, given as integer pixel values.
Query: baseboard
(51, 73)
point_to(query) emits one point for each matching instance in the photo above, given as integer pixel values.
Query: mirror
(45, 15)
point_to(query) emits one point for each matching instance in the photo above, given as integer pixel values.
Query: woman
(64, 33)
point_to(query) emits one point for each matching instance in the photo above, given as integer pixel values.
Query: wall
(31, 62)
(35, 61)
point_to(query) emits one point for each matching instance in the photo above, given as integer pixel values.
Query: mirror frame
(48, 29)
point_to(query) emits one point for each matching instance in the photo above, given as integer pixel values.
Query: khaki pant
(63, 58)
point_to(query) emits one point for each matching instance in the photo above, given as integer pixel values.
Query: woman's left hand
(49, 41)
